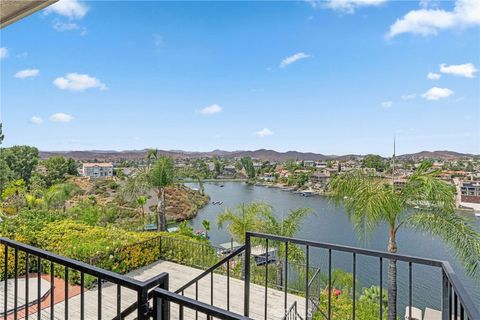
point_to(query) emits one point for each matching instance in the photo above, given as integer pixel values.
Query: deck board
(178, 276)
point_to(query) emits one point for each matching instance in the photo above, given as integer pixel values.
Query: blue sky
(335, 77)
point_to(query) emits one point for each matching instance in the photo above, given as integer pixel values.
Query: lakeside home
(470, 195)
(97, 170)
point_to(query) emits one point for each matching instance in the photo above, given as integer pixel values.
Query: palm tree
(151, 156)
(160, 176)
(370, 201)
(201, 188)
(66, 191)
(141, 200)
(245, 218)
(59, 194)
(33, 202)
(286, 227)
(206, 226)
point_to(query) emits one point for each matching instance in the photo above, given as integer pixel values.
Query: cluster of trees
(156, 177)
(374, 161)
(25, 180)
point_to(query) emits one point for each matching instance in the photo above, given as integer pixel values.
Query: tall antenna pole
(393, 164)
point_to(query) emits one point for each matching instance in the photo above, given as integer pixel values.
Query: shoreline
(213, 180)
(311, 192)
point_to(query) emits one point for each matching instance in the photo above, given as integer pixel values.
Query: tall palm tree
(161, 176)
(286, 227)
(370, 201)
(157, 177)
(246, 217)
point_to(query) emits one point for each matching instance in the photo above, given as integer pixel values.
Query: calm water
(329, 224)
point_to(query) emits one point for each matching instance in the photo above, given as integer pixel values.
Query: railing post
(246, 268)
(445, 297)
(161, 307)
(143, 307)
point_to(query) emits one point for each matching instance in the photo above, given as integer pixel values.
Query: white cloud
(429, 21)
(347, 6)
(27, 73)
(213, 109)
(265, 132)
(409, 96)
(433, 76)
(61, 117)
(437, 93)
(3, 52)
(68, 26)
(72, 9)
(464, 70)
(293, 58)
(387, 104)
(62, 26)
(78, 82)
(36, 120)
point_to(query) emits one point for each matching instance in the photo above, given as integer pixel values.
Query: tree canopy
(374, 161)
(22, 160)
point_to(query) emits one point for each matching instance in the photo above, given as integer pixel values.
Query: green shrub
(341, 308)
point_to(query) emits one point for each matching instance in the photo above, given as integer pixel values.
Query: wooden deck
(178, 276)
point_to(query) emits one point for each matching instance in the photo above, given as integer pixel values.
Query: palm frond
(245, 218)
(136, 186)
(367, 200)
(456, 231)
(424, 189)
(292, 223)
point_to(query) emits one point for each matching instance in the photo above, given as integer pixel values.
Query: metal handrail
(462, 294)
(185, 302)
(149, 284)
(292, 313)
(141, 287)
(450, 281)
(337, 247)
(75, 264)
(233, 254)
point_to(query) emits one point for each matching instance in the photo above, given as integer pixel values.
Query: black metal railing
(101, 294)
(314, 290)
(455, 300)
(108, 295)
(163, 309)
(223, 267)
(292, 313)
(98, 292)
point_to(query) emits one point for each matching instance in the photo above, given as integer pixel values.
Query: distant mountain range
(262, 154)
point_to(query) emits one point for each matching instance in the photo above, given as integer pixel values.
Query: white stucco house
(97, 170)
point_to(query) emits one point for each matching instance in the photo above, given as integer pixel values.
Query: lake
(330, 224)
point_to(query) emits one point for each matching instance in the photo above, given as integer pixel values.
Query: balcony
(37, 284)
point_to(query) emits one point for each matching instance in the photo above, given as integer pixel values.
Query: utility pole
(393, 165)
